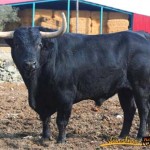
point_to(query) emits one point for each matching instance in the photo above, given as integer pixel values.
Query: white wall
(136, 6)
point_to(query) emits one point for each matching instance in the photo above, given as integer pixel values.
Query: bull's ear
(10, 42)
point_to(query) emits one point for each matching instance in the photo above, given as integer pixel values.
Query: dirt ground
(20, 127)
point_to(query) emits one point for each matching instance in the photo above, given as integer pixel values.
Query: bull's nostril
(29, 65)
(34, 63)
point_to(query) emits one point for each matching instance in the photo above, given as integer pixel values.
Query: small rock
(12, 116)
(28, 137)
(10, 69)
(119, 116)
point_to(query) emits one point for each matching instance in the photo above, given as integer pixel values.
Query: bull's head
(26, 44)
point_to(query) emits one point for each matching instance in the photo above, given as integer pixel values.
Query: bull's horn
(7, 35)
(61, 31)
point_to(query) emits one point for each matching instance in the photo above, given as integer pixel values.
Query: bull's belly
(95, 94)
(102, 83)
(102, 89)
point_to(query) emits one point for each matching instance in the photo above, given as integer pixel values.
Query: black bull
(59, 72)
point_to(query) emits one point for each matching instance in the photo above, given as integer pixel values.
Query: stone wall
(8, 71)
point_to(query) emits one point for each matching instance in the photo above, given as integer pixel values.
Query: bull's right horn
(61, 31)
(7, 34)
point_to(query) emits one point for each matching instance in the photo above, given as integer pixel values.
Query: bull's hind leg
(141, 94)
(148, 122)
(127, 103)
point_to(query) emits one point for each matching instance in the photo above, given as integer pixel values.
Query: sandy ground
(5, 53)
(20, 127)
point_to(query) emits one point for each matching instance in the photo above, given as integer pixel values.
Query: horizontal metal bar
(36, 2)
(47, 1)
(20, 4)
(118, 10)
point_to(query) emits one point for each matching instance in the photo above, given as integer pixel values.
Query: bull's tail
(148, 119)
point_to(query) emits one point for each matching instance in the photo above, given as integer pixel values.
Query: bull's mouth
(30, 68)
(30, 73)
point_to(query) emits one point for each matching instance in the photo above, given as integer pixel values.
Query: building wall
(141, 23)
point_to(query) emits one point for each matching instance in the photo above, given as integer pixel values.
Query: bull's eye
(39, 45)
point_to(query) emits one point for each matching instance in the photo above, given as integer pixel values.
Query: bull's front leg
(63, 115)
(45, 117)
(46, 133)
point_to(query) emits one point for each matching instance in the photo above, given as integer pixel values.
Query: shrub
(7, 14)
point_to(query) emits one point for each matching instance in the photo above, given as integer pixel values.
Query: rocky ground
(8, 71)
(20, 126)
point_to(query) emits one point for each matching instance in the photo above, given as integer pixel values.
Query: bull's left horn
(7, 34)
(61, 31)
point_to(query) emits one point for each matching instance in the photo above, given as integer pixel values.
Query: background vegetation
(7, 14)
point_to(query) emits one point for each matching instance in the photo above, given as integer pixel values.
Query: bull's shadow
(17, 135)
(36, 139)
(87, 136)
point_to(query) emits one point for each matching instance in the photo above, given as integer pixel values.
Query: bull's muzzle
(30, 65)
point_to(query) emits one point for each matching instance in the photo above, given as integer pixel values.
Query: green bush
(7, 14)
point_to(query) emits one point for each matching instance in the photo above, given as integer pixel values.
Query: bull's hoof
(61, 140)
(123, 135)
(45, 141)
(139, 138)
(148, 128)
(46, 138)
